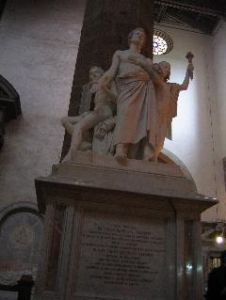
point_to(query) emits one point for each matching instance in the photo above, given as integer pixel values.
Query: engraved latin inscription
(121, 258)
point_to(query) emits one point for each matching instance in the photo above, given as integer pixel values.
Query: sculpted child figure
(88, 93)
(103, 109)
(136, 103)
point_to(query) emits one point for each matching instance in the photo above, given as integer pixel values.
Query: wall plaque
(121, 258)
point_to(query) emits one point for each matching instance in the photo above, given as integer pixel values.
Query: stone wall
(218, 60)
(39, 42)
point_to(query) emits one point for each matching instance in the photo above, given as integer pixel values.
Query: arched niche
(21, 229)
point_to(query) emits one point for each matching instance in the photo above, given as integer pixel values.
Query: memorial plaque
(7, 295)
(21, 234)
(121, 258)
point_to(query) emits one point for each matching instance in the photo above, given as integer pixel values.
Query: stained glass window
(162, 42)
(159, 45)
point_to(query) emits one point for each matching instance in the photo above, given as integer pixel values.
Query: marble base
(120, 232)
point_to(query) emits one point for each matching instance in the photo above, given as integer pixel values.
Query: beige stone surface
(135, 176)
(122, 258)
(121, 232)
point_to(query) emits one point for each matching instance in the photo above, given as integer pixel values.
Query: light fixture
(219, 239)
(162, 42)
(189, 267)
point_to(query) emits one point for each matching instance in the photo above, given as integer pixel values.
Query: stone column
(105, 29)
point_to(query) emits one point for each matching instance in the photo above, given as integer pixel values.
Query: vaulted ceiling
(202, 15)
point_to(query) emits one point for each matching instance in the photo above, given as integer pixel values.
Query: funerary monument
(122, 217)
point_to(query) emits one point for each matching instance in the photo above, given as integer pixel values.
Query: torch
(189, 57)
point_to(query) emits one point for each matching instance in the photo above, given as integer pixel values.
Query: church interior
(39, 42)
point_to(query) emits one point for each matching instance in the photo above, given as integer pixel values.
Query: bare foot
(120, 157)
(151, 157)
(121, 153)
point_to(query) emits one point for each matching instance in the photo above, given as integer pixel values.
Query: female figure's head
(138, 37)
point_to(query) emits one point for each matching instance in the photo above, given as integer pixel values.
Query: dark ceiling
(2, 6)
(203, 15)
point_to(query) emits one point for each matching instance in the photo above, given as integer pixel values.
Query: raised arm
(188, 76)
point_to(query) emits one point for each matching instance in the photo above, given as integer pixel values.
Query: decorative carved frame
(11, 277)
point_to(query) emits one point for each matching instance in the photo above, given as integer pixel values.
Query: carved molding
(10, 107)
(24, 206)
(10, 278)
(21, 230)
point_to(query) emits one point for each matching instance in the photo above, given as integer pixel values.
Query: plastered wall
(196, 130)
(38, 46)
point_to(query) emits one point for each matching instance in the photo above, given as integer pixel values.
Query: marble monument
(136, 99)
(122, 221)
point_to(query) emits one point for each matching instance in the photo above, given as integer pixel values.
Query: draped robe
(143, 109)
(136, 109)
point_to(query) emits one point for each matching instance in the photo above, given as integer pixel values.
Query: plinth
(120, 232)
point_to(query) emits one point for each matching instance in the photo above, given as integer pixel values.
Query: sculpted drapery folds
(166, 95)
(146, 103)
(136, 101)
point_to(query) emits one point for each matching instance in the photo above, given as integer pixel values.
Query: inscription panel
(20, 241)
(6, 295)
(121, 259)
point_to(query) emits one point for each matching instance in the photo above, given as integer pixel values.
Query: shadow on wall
(2, 6)
(10, 107)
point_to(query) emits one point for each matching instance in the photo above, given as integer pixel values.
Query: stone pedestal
(120, 232)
